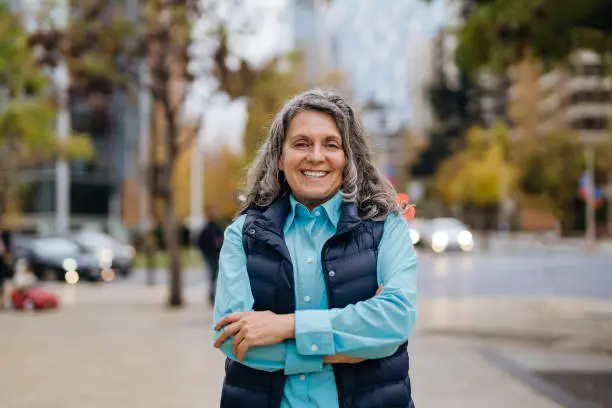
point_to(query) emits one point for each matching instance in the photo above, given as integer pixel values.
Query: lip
(314, 179)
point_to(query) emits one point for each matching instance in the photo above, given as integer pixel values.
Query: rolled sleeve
(234, 295)
(314, 334)
(374, 328)
(296, 363)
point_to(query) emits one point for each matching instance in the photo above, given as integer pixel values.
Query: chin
(317, 196)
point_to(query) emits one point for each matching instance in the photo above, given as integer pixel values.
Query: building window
(90, 199)
(590, 124)
(591, 96)
(590, 70)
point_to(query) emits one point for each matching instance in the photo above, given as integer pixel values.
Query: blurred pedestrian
(24, 278)
(5, 261)
(317, 283)
(210, 242)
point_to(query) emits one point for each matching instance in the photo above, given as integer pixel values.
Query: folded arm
(376, 327)
(234, 296)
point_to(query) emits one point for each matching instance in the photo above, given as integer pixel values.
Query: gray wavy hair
(362, 184)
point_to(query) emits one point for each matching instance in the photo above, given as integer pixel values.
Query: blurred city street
(134, 132)
(494, 330)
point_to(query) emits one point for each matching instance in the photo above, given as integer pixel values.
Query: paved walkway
(547, 243)
(117, 346)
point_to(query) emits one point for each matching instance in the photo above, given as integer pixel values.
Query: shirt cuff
(295, 363)
(313, 333)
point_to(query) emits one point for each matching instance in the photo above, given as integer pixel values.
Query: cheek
(287, 162)
(339, 162)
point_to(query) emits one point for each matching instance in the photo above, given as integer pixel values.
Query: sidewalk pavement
(118, 346)
(545, 243)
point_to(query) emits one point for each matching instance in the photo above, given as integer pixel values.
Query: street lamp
(62, 170)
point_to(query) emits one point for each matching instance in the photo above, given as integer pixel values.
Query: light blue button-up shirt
(370, 329)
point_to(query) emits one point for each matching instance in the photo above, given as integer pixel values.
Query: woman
(317, 283)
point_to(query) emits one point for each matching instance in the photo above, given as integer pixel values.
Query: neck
(311, 204)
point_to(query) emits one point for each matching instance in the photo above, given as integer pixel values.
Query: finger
(226, 333)
(227, 319)
(356, 360)
(380, 289)
(243, 347)
(238, 338)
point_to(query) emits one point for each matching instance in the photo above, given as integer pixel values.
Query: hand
(254, 329)
(342, 359)
(380, 289)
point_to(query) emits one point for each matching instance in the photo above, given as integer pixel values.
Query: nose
(316, 155)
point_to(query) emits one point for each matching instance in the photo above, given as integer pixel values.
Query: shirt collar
(331, 207)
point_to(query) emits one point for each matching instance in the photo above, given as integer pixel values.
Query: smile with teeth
(314, 174)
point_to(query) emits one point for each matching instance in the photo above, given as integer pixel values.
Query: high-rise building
(366, 43)
(112, 126)
(421, 78)
(576, 98)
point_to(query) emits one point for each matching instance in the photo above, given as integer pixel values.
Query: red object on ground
(33, 298)
(410, 210)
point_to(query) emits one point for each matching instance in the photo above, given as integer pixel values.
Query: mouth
(314, 174)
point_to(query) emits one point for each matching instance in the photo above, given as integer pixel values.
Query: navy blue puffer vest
(349, 265)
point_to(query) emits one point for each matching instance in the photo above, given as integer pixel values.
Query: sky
(224, 121)
(270, 33)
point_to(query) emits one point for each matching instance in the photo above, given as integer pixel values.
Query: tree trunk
(174, 254)
(1, 285)
(149, 247)
(173, 246)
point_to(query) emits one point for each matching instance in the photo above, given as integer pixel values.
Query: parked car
(60, 258)
(446, 234)
(110, 252)
(417, 226)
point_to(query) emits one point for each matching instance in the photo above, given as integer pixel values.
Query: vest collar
(349, 218)
(273, 218)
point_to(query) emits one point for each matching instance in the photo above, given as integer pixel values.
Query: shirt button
(317, 213)
(314, 347)
(309, 260)
(307, 298)
(302, 377)
(332, 273)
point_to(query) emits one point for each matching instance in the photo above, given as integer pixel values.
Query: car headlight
(69, 264)
(105, 258)
(72, 277)
(440, 239)
(465, 238)
(415, 237)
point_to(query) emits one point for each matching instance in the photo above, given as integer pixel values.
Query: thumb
(380, 288)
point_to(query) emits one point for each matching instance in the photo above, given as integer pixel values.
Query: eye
(333, 145)
(301, 144)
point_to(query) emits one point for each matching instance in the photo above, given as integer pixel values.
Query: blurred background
(126, 126)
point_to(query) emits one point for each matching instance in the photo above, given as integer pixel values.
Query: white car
(111, 252)
(445, 234)
(417, 227)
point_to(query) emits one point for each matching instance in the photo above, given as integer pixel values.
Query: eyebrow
(335, 137)
(298, 135)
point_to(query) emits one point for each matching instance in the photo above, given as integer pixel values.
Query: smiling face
(313, 158)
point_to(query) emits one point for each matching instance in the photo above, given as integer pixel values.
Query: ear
(280, 163)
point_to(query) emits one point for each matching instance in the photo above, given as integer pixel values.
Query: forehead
(314, 124)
